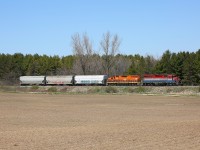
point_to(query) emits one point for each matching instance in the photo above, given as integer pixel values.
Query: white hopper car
(90, 79)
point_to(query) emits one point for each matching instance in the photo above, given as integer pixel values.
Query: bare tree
(122, 63)
(82, 49)
(110, 46)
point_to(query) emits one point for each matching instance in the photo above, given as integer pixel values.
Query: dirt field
(93, 122)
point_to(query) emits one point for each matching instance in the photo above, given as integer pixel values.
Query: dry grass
(168, 90)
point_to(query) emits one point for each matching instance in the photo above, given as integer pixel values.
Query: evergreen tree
(164, 65)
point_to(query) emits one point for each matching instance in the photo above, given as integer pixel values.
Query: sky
(145, 27)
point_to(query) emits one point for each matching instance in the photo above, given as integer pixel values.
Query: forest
(186, 65)
(85, 61)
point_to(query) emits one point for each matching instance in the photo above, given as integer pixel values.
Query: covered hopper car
(90, 79)
(32, 80)
(59, 80)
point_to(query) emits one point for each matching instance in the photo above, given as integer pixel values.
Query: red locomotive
(160, 79)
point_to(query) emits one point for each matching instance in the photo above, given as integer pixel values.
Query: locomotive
(103, 80)
(160, 79)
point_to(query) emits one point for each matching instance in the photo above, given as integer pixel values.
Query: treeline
(184, 64)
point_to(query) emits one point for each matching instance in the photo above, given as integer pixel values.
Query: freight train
(104, 80)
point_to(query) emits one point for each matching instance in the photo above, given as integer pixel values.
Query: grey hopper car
(59, 80)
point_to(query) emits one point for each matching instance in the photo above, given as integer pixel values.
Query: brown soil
(106, 122)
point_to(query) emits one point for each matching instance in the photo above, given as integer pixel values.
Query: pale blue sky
(144, 26)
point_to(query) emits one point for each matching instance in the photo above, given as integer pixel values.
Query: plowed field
(93, 122)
